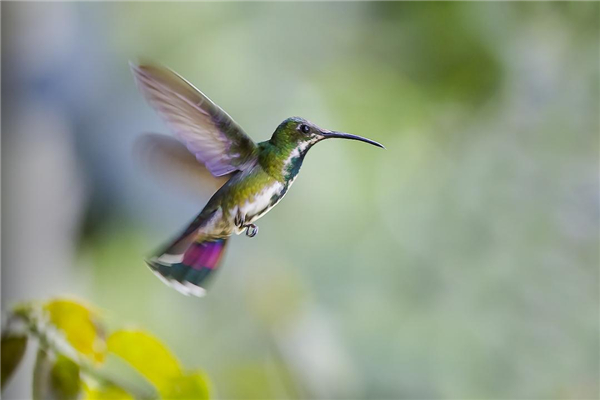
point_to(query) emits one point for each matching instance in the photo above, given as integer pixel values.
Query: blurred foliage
(80, 326)
(154, 361)
(105, 392)
(55, 377)
(72, 349)
(13, 349)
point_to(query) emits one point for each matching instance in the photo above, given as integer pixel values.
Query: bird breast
(253, 208)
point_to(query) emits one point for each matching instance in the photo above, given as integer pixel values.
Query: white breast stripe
(250, 209)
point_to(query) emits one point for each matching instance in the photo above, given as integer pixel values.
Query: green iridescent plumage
(259, 175)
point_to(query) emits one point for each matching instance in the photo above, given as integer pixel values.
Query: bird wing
(168, 160)
(207, 131)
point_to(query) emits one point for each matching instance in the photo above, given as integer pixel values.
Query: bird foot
(251, 230)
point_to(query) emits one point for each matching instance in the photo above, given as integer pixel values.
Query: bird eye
(304, 128)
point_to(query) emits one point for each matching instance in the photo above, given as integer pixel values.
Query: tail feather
(188, 272)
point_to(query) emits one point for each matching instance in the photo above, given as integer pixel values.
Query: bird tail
(188, 262)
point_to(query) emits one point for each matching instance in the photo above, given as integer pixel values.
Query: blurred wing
(207, 131)
(167, 159)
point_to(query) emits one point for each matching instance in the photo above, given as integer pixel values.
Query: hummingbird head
(300, 134)
(290, 142)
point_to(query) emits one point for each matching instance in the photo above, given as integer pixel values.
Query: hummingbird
(258, 175)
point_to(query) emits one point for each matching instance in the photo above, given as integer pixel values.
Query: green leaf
(80, 326)
(65, 380)
(13, 349)
(146, 354)
(57, 379)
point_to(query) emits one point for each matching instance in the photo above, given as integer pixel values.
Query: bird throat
(283, 163)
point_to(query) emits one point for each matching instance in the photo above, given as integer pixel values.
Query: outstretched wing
(168, 160)
(207, 131)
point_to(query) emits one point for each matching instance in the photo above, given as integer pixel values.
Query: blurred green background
(461, 262)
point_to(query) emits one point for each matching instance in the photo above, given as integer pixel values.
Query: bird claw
(251, 230)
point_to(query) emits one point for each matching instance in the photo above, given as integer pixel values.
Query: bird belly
(254, 207)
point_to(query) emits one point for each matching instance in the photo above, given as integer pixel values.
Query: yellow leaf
(147, 355)
(186, 387)
(79, 324)
(106, 392)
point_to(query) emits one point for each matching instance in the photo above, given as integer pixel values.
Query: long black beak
(342, 135)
